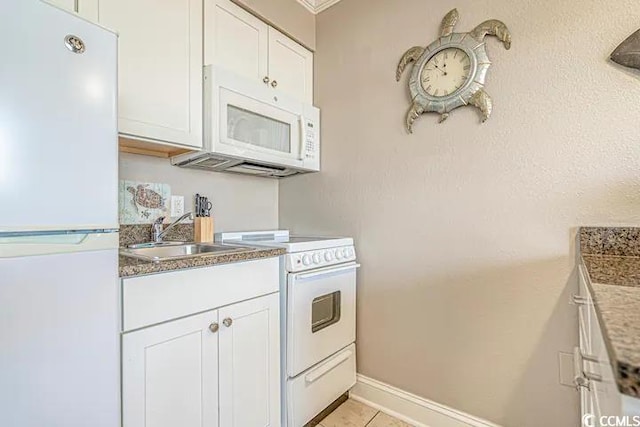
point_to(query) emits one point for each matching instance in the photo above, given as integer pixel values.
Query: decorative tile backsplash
(143, 202)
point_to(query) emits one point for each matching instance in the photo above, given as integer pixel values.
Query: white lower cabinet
(219, 368)
(249, 363)
(600, 400)
(201, 347)
(170, 374)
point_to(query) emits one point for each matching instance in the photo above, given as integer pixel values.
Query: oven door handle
(330, 365)
(328, 270)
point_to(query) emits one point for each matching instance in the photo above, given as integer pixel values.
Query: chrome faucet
(157, 233)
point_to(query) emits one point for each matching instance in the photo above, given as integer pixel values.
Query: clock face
(445, 72)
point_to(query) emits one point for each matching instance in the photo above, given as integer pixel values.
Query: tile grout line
(372, 418)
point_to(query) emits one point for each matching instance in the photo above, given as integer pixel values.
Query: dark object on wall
(628, 53)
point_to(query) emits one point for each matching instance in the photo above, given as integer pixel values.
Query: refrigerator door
(58, 123)
(59, 329)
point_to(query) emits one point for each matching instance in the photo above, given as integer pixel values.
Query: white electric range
(318, 318)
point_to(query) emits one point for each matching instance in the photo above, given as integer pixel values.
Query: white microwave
(252, 129)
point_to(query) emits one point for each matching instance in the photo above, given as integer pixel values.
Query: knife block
(203, 230)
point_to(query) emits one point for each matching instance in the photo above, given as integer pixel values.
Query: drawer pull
(227, 322)
(581, 378)
(592, 377)
(582, 383)
(214, 327)
(590, 358)
(579, 300)
(317, 373)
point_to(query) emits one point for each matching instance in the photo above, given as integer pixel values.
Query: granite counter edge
(140, 268)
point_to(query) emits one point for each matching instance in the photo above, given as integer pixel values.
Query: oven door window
(325, 311)
(258, 130)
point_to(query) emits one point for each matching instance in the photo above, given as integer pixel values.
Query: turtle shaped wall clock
(451, 71)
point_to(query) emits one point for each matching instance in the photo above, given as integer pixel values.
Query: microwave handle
(302, 134)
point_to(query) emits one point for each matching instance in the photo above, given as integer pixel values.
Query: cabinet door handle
(582, 382)
(583, 378)
(579, 300)
(227, 322)
(590, 358)
(592, 377)
(214, 327)
(265, 80)
(274, 83)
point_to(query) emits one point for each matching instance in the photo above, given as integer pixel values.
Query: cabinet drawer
(313, 390)
(161, 297)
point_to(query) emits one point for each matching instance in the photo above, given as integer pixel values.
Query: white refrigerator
(59, 297)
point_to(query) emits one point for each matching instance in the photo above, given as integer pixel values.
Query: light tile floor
(355, 414)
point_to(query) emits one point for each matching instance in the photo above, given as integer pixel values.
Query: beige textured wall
(239, 202)
(465, 230)
(287, 15)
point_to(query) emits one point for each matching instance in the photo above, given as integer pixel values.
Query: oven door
(321, 319)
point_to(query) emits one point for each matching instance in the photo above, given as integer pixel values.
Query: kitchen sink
(170, 250)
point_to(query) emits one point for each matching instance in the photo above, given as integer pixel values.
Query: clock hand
(442, 71)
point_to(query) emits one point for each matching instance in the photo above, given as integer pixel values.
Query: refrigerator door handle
(59, 243)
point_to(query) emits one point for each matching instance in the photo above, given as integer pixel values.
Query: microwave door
(251, 126)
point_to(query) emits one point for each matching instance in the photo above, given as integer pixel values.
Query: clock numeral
(466, 67)
(436, 92)
(426, 79)
(455, 54)
(429, 88)
(462, 58)
(446, 56)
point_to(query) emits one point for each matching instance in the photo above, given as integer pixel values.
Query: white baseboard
(410, 408)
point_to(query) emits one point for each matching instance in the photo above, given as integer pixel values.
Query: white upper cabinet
(70, 5)
(290, 66)
(235, 39)
(160, 68)
(241, 43)
(249, 351)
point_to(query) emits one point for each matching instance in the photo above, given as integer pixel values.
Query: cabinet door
(70, 5)
(290, 67)
(236, 40)
(250, 363)
(88, 9)
(170, 374)
(160, 68)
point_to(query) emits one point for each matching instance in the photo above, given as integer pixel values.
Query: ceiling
(317, 6)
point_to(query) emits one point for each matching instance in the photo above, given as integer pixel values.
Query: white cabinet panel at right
(249, 363)
(290, 66)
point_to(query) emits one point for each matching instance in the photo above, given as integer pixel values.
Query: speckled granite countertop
(611, 258)
(135, 267)
(140, 233)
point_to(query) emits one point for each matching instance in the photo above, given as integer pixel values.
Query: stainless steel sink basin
(170, 251)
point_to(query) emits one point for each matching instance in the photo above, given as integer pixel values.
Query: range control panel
(309, 139)
(308, 260)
